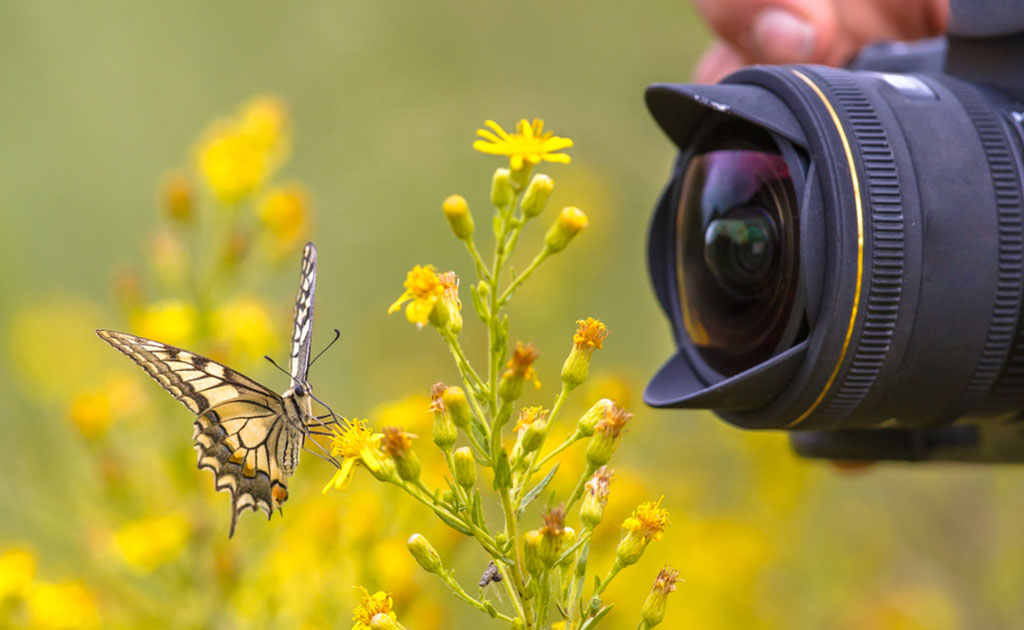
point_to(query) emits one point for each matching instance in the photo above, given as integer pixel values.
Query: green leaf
(478, 303)
(457, 526)
(593, 621)
(535, 492)
(477, 510)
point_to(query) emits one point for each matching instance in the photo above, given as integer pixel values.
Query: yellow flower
(648, 520)
(424, 288)
(528, 416)
(284, 214)
(65, 605)
(245, 329)
(528, 145)
(647, 523)
(653, 611)
(588, 338)
(17, 568)
(358, 444)
(148, 543)
(380, 603)
(91, 413)
(235, 156)
(170, 321)
(168, 257)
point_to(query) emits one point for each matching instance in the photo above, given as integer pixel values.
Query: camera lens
(737, 251)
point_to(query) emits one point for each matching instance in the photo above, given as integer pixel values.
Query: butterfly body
(248, 435)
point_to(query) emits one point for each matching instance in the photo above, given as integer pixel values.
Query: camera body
(841, 251)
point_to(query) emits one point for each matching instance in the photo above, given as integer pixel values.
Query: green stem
(461, 593)
(569, 441)
(580, 485)
(521, 278)
(512, 533)
(481, 268)
(542, 602)
(486, 541)
(469, 375)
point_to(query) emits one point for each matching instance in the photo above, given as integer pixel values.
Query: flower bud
(465, 467)
(607, 436)
(398, 444)
(653, 611)
(517, 624)
(449, 307)
(383, 469)
(588, 421)
(502, 472)
(456, 210)
(595, 497)
(588, 337)
(520, 368)
(533, 540)
(553, 536)
(178, 197)
(444, 431)
(425, 554)
(536, 196)
(569, 223)
(501, 188)
(458, 407)
(382, 621)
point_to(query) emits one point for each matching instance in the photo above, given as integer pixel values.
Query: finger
(719, 60)
(773, 31)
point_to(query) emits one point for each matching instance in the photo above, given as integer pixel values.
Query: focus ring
(885, 266)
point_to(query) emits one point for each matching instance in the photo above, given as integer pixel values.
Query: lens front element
(737, 251)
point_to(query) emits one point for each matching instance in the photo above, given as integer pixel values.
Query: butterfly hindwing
(302, 328)
(242, 430)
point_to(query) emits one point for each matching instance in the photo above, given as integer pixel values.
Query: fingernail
(778, 36)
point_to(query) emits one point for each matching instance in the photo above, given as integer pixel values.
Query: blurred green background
(100, 100)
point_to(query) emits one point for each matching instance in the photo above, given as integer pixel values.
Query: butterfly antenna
(323, 454)
(274, 363)
(330, 412)
(337, 335)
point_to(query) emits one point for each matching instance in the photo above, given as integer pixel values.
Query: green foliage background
(99, 99)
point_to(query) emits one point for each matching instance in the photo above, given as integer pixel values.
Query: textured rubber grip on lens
(1004, 333)
(884, 236)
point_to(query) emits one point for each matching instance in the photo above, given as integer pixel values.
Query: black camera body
(841, 251)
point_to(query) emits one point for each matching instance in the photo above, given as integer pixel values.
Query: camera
(840, 251)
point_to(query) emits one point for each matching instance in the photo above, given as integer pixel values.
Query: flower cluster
(543, 570)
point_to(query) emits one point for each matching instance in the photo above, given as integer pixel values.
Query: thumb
(774, 31)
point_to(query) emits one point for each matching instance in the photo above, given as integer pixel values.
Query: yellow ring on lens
(860, 247)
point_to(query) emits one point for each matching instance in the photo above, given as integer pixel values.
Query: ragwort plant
(478, 425)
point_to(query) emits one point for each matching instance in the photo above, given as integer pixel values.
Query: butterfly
(248, 435)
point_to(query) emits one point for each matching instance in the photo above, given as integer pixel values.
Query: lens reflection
(737, 251)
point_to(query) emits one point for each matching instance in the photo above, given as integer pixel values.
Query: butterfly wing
(241, 428)
(302, 328)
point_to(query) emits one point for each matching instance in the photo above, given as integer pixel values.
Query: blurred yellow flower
(528, 145)
(170, 321)
(17, 568)
(356, 443)
(168, 258)
(370, 606)
(236, 156)
(284, 214)
(177, 198)
(62, 606)
(148, 543)
(244, 328)
(424, 289)
(91, 413)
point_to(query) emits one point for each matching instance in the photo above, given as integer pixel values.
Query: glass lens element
(737, 255)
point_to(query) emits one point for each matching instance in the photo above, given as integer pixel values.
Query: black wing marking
(198, 382)
(302, 327)
(239, 441)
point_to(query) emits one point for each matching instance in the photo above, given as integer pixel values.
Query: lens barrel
(902, 308)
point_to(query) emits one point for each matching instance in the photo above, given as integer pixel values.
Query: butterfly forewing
(302, 328)
(239, 426)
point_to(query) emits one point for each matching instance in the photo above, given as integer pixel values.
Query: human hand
(808, 31)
